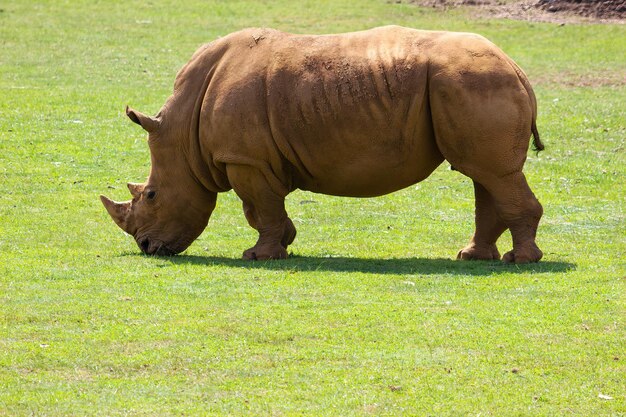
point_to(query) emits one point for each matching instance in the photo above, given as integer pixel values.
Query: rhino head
(172, 208)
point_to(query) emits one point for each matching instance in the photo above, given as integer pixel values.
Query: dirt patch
(603, 9)
(557, 11)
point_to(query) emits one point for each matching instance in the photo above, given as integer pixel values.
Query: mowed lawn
(371, 315)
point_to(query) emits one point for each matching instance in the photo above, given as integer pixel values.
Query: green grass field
(371, 315)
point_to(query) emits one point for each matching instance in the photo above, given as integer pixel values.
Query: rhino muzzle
(155, 247)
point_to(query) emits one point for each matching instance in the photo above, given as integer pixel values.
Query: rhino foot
(524, 254)
(289, 234)
(265, 252)
(477, 252)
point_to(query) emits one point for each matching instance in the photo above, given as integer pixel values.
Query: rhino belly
(368, 178)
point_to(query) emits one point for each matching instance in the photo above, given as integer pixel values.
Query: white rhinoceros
(358, 114)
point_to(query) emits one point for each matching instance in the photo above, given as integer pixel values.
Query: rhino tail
(537, 144)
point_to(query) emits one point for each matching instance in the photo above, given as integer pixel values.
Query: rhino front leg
(264, 209)
(289, 232)
(489, 227)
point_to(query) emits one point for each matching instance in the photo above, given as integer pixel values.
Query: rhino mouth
(155, 247)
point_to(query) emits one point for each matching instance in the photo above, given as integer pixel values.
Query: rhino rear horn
(149, 123)
(117, 211)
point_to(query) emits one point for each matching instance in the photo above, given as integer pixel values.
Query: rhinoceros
(359, 114)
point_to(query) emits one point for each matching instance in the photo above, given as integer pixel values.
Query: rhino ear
(149, 124)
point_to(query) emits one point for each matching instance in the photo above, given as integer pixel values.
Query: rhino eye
(151, 195)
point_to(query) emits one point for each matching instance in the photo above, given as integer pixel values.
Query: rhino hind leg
(484, 134)
(264, 209)
(520, 211)
(489, 227)
(522, 216)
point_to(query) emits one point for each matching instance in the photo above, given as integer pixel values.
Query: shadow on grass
(424, 266)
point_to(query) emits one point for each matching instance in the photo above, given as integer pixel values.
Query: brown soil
(598, 9)
(559, 11)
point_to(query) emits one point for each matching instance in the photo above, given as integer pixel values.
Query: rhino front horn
(117, 211)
